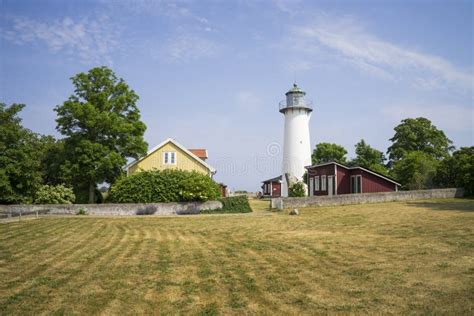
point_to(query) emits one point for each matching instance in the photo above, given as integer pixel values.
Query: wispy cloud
(248, 101)
(173, 10)
(449, 117)
(349, 42)
(88, 40)
(189, 47)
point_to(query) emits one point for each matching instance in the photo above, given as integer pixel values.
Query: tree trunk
(91, 193)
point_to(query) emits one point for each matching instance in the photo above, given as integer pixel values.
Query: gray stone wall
(345, 199)
(180, 208)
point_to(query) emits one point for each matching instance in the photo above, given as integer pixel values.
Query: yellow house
(172, 155)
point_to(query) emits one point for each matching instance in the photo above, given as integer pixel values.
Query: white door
(330, 185)
(311, 183)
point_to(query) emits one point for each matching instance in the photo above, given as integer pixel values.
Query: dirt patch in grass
(399, 258)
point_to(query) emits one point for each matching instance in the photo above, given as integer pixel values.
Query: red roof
(200, 152)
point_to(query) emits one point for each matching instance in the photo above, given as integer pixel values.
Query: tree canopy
(420, 135)
(416, 170)
(21, 152)
(326, 152)
(102, 128)
(457, 171)
(369, 157)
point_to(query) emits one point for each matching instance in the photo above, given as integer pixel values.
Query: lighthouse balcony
(303, 105)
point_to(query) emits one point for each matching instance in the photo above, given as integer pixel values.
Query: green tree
(415, 171)
(369, 157)
(326, 152)
(102, 128)
(21, 152)
(297, 189)
(457, 171)
(419, 135)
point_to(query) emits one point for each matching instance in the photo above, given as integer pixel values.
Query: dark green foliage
(233, 204)
(369, 158)
(164, 186)
(457, 171)
(21, 152)
(415, 171)
(326, 152)
(419, 135)
(102, 126)
(54, 194)
(297, 189)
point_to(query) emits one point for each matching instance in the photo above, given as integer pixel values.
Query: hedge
(161, 186)
(234, 204)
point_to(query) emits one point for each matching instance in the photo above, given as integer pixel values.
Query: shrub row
(234, 204)
(160, 186)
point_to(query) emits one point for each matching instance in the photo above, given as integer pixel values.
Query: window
(296, 100)
(356, 184)
(316, 183)
(169, 158)
(323, 183)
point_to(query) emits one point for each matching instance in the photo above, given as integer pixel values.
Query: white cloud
(189, 47)
(349, 42)
(248, 101)
(88, 40)
(449, 117)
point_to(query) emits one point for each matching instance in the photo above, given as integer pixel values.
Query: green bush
(82, 211)
(297, 189)
(234, 204)
(54, 194)
(164, 186)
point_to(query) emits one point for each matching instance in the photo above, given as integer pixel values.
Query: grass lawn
(414, 257)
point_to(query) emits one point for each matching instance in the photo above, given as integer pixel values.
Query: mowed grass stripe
(61, 258)
(41, 263)
(50, 240)
(394, 258)
(39, 277)
(86, 264)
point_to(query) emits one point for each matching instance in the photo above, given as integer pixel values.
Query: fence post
(19, 219)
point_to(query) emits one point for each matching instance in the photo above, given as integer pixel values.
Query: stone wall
(180, 208)
(345, 199)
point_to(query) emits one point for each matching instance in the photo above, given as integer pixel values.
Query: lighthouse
(296, 145)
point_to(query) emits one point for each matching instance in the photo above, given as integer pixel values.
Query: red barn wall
(372, 183)
(276, 189)
(343, 180)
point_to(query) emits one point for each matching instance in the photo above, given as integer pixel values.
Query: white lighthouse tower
(296, 145)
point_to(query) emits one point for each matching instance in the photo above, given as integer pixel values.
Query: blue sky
(211, 73)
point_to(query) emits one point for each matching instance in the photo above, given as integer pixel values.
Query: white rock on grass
(294, 212)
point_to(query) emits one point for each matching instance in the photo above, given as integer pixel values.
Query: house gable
(184, 159)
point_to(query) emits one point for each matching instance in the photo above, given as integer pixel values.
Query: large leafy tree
(21, 152)
(416, 170)
(326, 152)
(421, 135)
(457, 171)
(102, 128)
(369, 157)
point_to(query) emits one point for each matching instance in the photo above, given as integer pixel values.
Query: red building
(272, 187)
(333, 178)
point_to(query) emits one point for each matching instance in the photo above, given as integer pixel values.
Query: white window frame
(323, 183)
(354, 180)
(316, 183)
(169, 158)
